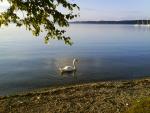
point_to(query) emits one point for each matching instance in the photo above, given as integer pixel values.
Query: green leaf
(40, 15)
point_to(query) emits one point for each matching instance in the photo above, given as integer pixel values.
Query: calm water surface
(105, 52)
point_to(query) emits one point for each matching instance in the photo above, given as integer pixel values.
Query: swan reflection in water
(69, 74)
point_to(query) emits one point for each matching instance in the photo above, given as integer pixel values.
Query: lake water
(105, 52)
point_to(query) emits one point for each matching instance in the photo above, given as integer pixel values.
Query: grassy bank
(101, 97)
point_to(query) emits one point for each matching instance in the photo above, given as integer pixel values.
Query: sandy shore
(100, 97)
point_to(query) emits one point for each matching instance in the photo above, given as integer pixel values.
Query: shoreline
(107, 96)
(42, 89)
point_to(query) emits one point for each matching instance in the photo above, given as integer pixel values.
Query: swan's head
(75, 60)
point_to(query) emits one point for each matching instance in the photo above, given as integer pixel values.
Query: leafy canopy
(40, 15)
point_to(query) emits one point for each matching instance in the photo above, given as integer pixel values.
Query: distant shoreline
(132, 22)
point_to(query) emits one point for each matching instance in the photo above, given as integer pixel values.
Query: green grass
(141, 106)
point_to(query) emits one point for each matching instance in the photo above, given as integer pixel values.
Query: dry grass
(102, 97)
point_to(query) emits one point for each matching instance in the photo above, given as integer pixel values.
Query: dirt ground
(100, 97)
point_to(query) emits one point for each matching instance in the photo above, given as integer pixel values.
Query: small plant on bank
(141, 106)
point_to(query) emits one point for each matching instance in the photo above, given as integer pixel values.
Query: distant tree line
(114, 22)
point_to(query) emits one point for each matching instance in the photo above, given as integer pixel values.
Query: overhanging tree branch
(39, 16)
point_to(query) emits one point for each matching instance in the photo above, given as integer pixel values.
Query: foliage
(142, 106)
(40, 15)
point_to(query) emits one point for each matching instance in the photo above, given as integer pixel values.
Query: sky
(109, 9)
(113, 9)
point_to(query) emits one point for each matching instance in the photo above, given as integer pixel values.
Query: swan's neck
(74, 65)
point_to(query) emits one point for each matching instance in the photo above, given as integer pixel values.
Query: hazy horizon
(106, 20)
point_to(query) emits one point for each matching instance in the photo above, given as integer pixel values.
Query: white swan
(69, 68)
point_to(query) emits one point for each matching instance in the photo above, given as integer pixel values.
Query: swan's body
(69, 68)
